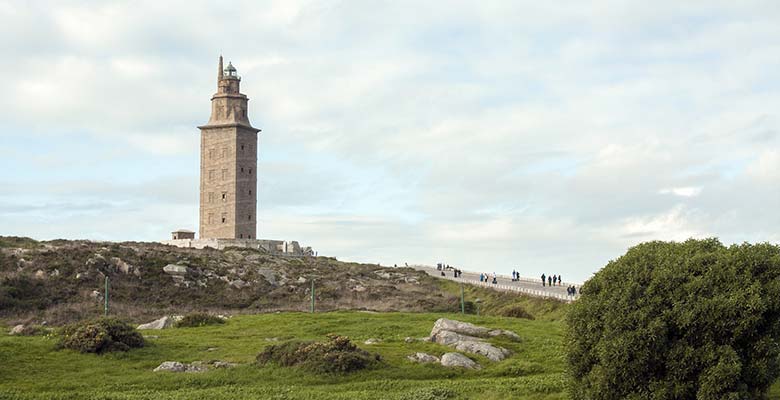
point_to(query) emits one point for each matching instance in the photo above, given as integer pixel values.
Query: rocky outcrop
(161, 323)
(458, 360)
(468, 338)
(195, 366)
(423, 358)
(171, 366)
(17, 330)
(465, 328)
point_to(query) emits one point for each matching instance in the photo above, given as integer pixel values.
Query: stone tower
(228, 164)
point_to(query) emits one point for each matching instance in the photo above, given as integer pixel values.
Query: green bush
(515, 311)
(692, 320)
(336, 355)
(199, 319)
(100, 336)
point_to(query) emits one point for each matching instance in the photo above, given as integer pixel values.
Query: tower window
(250, 171)
(211, 218)
(240, 235)
(212, 173)
(224, 217)
(249, 236)
(242, 147)
(242, 169)
(249, 217)
(224, 196)
(250, 192)
(211, 197)
(224, 152)
(211, 154)
(224, 174)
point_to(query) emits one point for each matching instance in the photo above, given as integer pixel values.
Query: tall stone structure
(228, 164)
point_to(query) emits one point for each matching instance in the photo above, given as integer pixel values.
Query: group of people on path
(456, 273)
(552, 280)
(571, 290)
(484, 278)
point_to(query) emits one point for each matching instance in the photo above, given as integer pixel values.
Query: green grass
(32, 369)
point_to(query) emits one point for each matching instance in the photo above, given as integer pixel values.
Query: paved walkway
(529, 286)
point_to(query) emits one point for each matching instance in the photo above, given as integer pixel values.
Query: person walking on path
(544, 278)
(549, 281)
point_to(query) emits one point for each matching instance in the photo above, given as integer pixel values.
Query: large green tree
(667, 320)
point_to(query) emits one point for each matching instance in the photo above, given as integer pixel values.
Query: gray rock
(409, 340)
(269, 275)
(196, 366)
(173, 269)
(224, 364)
(505, 333)
(162, 323)
(121, 265)
(171, 366)
(301, 280)
(466, 337)
(372, 341)
(423, 358)
(458, 360)
(240, 284)
(175, 366)
(16, 330)
(465, 328)
(494, 353)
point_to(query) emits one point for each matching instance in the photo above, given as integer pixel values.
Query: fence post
(105, 299)
(312, 295)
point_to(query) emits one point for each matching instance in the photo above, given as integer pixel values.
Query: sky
(491, 135)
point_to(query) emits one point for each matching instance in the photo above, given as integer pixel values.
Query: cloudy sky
(542, 136)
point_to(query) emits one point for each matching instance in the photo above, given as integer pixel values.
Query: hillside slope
(60, 281)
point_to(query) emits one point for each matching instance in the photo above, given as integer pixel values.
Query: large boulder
(458, 360)
(17, 330)
(161, 323)
(467, 338)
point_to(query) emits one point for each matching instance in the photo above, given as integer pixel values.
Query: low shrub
(336, 355)
(435, 393)
(100, 336)
(515, 311)
(199, 319)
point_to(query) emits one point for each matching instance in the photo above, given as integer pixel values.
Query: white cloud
(689, 191)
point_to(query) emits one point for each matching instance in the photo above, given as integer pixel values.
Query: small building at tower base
(276, 247)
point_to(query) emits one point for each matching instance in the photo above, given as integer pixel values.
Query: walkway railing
(519, 289)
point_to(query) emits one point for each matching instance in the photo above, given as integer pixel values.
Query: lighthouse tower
(228, 164)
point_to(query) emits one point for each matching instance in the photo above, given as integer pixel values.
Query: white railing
(530, 292)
